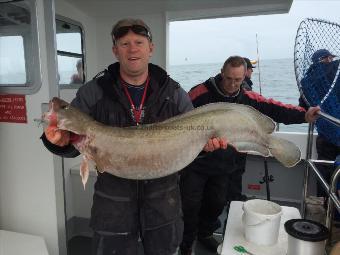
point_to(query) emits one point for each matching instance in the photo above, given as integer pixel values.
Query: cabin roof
(183, 9)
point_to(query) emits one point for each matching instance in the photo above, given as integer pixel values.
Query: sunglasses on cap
(137, 29)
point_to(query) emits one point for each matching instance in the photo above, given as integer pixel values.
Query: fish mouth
(50, 117)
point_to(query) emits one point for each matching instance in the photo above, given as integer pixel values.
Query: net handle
(330, 118)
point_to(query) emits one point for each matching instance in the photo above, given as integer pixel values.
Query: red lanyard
(137, 112)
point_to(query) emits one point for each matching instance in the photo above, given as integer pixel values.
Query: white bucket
(261, 221)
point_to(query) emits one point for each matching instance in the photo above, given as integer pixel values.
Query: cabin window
(70, 52)
(12, 71)
(19, 48)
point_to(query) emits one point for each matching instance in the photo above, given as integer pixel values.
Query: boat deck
(81, 245)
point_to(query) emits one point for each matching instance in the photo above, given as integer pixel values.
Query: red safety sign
(13, 108)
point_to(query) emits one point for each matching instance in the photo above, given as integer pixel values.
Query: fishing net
(316, 63)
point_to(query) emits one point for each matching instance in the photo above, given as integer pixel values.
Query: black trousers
(326, 151)
(203, 199)
(125, 211)
(234, 190)
(163, 240)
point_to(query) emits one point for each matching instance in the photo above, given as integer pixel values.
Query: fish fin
(284, 151)
(84, 170)
(265, 122)
(251, 148)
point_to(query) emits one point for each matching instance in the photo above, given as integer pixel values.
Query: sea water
(273, 78)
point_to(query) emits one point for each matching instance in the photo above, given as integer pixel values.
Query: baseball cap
(249, 64)
(319, 54)
(138, 26)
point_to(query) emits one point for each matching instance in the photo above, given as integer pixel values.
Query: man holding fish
(130, 92)
(206, 182)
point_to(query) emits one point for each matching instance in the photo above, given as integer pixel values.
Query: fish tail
(284, 151)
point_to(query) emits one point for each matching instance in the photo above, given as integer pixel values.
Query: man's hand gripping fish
(160, 149)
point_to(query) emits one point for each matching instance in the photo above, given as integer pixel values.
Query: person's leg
(212, 206)
(164, 240)
(192, 187)
(114, 216)
(106, 243)
(235, 184)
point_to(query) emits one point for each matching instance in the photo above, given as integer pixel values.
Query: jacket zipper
(165, 102)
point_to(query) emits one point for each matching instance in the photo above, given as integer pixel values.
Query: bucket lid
(306, 230)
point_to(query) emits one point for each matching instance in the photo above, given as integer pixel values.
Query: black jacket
(122, 205)
(247, 84)
(226, 161)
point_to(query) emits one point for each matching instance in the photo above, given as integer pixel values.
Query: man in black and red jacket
(213, 176)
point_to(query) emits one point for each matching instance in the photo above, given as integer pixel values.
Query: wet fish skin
(160, 149)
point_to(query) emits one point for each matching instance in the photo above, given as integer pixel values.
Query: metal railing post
(330, 188)
(309, 150)
(333, 190)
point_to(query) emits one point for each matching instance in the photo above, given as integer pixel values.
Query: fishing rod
(266, 178)
(258, 64)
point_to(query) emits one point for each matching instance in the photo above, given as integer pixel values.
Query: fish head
(54, 106)
(66, 117)
(71, 119)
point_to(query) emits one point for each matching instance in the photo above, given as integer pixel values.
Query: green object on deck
(241, 249)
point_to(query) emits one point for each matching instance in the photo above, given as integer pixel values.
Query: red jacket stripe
(255, 96)
(197, 91)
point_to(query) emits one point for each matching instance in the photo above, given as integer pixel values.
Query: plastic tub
(261, 221)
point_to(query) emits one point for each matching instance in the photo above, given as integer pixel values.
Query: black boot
(209, 242)
(185, 249)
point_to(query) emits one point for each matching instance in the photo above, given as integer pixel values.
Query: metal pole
(332, 195)
(266, 176)
(333, 190)
(306, 174)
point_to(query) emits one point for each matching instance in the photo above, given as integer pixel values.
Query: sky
(214, 40)
(191, 41)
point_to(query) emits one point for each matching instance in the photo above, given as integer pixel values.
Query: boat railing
(330, 188)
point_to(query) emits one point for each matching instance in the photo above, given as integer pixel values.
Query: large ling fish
(160, 149)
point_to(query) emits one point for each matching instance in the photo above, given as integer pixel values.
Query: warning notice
(13, 108)
(254, 186)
